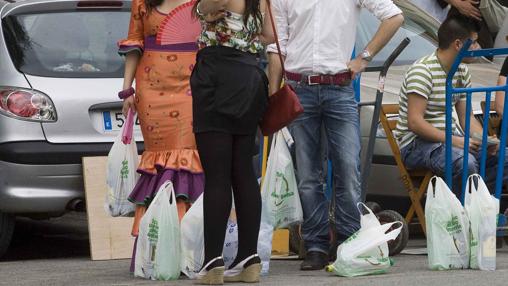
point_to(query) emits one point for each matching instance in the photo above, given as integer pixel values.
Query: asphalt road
(56, 253)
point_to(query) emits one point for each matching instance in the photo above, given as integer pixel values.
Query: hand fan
(179, 26)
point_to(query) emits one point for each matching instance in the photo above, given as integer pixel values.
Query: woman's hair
(153, 3)
(252, 9)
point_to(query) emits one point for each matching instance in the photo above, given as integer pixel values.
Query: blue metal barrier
(450, 91)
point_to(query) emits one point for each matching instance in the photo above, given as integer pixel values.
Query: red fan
(179, 26)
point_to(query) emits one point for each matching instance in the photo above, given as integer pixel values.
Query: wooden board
(280, 242)
(110, 237)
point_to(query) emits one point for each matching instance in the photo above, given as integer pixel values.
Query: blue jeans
(430, 155)
(335, 108)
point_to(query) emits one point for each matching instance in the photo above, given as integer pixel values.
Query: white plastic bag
(482, 209)
(366, 252)
(265, 240)
(279, 188)
(192, 241)
(447, 228)
(192, 237)
(121, 175)
(493, 14)
(230, 242)
(158, 249)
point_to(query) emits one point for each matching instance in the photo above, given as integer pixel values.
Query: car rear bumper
(43, 178)
(45, 153)
(39, 189)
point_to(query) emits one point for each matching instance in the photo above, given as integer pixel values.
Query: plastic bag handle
(171, 195)
(365, 207)
(128, 127)
(471, 188)
(392, 234)
(437, 188)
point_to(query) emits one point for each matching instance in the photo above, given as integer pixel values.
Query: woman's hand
(128, 103)
(468, 8)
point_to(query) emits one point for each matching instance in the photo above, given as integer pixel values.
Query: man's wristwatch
(365, 55)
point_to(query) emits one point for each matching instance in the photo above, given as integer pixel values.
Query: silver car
(59, 76)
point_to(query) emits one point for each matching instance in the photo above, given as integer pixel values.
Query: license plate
(114, 120)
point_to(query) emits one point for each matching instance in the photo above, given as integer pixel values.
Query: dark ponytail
(150, 4)
(253, 9)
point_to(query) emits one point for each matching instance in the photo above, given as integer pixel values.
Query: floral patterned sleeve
(135, 38)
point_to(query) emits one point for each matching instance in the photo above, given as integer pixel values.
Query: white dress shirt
(318, 36)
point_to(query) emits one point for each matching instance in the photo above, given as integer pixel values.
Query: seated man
(420, 130)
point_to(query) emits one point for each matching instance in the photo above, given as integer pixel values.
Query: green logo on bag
(153, 231)
(279, 199)
(124, 172)
(474, 242)
(453, 225)
(352, 237)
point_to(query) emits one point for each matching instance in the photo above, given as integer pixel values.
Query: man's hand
(467, 8)
(458, 142)
(357, 66)
(493, 149)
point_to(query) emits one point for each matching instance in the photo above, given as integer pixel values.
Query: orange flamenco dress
(164, 105)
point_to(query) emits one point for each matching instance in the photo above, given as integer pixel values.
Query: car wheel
(374, 207)
(6, 231)
(397, 245)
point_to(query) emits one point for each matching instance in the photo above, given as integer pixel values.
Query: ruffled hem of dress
(186, 184)
(127, 46)
(177, 159)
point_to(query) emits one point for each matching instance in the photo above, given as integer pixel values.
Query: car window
(67, 44)
(422, 40)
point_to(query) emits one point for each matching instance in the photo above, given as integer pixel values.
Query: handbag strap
(276, 38)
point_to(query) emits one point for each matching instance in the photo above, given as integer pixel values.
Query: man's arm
(391, 20)
(385, 32)
(475, 126)
(417, 105)
(274, 72)
(280, 14)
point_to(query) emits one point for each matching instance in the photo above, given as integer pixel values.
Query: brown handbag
(283, 106)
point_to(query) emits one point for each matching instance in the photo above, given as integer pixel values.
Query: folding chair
(389, 121)
(494, 119)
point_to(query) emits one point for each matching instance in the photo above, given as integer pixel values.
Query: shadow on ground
(63, 237)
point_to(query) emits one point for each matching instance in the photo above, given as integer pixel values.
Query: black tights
(227, 162)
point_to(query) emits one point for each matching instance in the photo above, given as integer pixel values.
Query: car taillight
(26, 104)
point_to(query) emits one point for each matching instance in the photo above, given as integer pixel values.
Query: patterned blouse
(231, 32)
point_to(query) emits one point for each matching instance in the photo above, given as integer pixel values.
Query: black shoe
(314, 260)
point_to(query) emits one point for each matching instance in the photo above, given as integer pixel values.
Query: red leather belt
(342, 78)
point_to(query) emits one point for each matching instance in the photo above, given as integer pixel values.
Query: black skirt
(229, 91)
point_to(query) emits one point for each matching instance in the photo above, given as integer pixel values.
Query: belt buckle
(309, 80)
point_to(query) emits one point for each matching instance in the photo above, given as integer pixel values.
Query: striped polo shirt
(427, 78)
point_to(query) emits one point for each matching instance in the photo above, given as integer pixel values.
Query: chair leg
(423, 187)
(416, 205)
